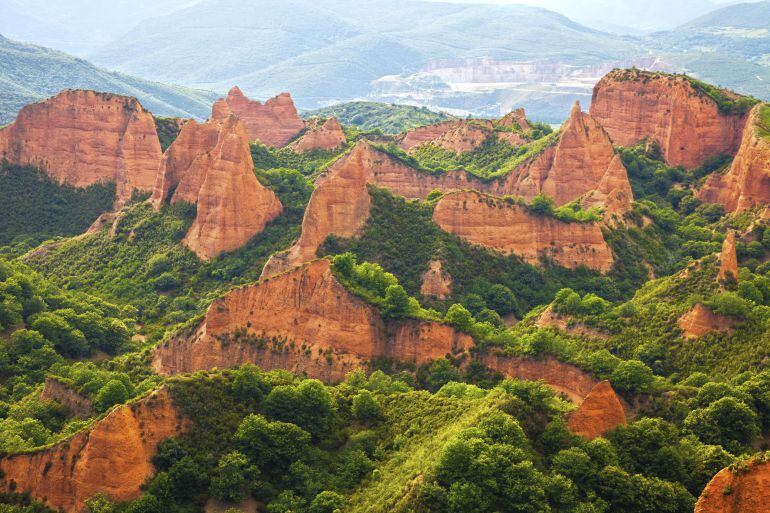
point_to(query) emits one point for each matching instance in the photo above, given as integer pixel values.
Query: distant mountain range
(479, 59)
(29, 73)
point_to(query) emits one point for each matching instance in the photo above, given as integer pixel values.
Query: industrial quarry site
(384, 256)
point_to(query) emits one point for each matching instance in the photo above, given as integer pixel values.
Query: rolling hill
(29, 73)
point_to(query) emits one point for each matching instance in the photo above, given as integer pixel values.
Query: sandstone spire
(210, 165)
(274, 123)
(728, 260)
(580, 164)
(83, 137)
(737, 490)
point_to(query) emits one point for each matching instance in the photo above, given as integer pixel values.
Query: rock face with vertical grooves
(114, 456)
(581, 164)
(306, 321)
(600, 412)
(746, 183)
(737, 491)
(510, 228)
(81, 138)
(210, 165)
(273, 123)
(700, 321)
(321, 329)
(687, 124)
(728, 259)
(324, 136)
(436, 283)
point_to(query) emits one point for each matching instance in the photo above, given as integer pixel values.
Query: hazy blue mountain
(741, 30)
(29, 73)
(337, 49)
(78, 26)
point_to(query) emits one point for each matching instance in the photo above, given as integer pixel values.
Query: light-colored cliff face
(742, 491)
(511, 229)
(728, 259)
(274, 123)
(210, 165)
(581, 164)
(633, 105)
(436, 283)
(305, 321)
(600, 412)
(747, 183)
(320, 136)
(114, 457)
(82, 137)
(700, 321)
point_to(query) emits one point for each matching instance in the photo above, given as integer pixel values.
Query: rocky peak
(274, 123)
(728, 259)
(686, 123)
(747, 183)
(83, 137)
(320, 136)
(515, 118)
(580, 164)
(600, 412)
(740, 490)
(210, 165)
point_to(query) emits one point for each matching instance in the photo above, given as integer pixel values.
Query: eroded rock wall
(81, 138)
(114, 456)
(633, 105)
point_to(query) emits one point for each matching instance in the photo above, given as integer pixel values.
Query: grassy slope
(30, 73)
(390, 119)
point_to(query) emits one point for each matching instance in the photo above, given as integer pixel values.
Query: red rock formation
(82, 137)
(581, 164)
(747, 183)
(600, 412)
(435, 282)
(457, 136)
(510, 228)
(305, 321)
(515, 119)
(562, 377)
(551, 319)
(210, 165)
(744, 490)
(326, 136)
(274, 123)
(114, 456)
(633, 105)
(340, 204)
(728, 259)
(700, 321)
(577, 166)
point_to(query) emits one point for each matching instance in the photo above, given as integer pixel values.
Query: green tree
(233, 478)
(366, 407)
(271, 445)
(542, 205)
(727, 422)
(459, 317)
(633, 376)
(327, 502)
(112, 393)
(309, 405)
